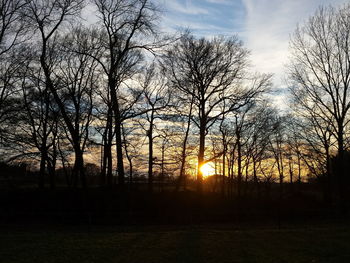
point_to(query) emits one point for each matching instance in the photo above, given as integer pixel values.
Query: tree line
(134, 101)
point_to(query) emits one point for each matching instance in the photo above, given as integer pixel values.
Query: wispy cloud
(268, 26)
(204, 18)
(224, 2)
(265, 26)
(186, 7)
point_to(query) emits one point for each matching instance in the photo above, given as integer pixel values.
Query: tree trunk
(162, 168)
(202, 131)
(223, 182)
(183, 154)
(118, 127)
(328, 188)
(150, 153)
(108, 150)
(42, 170)
(52, 169)
(340, 165)
(120, 159)
(73, 132)
(106, 147)
(79, 166)
(239, 165)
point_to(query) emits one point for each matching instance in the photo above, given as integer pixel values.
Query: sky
(264, 26)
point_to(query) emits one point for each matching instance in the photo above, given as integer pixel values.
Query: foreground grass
(174, 244)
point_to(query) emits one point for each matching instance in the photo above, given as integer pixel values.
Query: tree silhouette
(320, 74)
(210, 71)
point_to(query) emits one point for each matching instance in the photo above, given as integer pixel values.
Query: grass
(174, 244)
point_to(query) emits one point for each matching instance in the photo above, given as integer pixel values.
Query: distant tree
(259, 128)
(133, 142)
(240, 125)
(225, 131)
(184, 109)
(278, 147)
(296, 144)
(156, 98)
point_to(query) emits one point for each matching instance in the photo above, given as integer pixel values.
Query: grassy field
(174, 244)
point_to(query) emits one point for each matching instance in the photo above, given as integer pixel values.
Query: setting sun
(207, 169)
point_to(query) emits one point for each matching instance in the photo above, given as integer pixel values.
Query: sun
(207, 169)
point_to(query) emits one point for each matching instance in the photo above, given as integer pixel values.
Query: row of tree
(124, 95)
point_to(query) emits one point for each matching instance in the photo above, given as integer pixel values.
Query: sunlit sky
(264, 26)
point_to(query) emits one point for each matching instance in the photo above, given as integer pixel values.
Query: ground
(144, 244)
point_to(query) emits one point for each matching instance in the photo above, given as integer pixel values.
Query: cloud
(89, 14)
(223, 2)
(267, 29)
(204, 18)
(185, 7)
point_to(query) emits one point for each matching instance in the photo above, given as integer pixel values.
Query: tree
(320, 70)
(185, 111)
(39, 119)
(46, 17)
(12, 31)
(9, 90)
(128, 28)
(12, 26)
(77, 78)
(210, 71)
(133, 142)
(258, 131)
(240, 125)
(156, 98)
(278, 147)
(312, 141)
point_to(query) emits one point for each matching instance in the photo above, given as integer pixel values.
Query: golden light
(207, 169)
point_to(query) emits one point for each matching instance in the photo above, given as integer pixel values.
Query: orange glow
(207, 169)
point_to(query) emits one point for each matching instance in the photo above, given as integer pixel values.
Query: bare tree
(185, 110)
(240, 126)
(320, 69)
(77, 79)
(12, 31)
(258, 130)
(39, 121)
(46, 18)
(12, 26)
(311, 139)
(278, 147)
(9, 90)
(127, 29)
(133, 141)
(156, 98)
(210, 71)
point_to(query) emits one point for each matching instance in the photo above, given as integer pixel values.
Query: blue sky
(264, 26)
(206, 17)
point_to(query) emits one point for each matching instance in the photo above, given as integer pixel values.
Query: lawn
(174, 244)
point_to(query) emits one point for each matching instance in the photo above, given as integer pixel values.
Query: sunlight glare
(207, 169)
